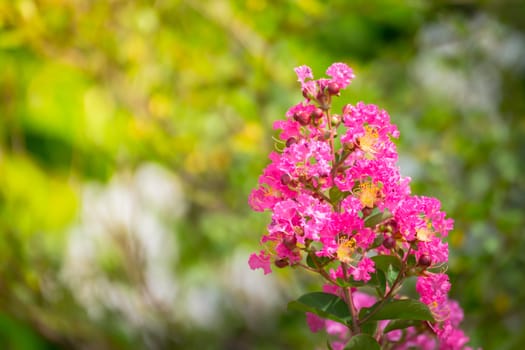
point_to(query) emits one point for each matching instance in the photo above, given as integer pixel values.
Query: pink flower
(271, 190)
(322, 193)
(315, 323)
(362, 300)
(455, 340)
(421, 341)
(336, 328)
(303, 73)
(290, 128)
(363, 270)
(436, 249)
(369, 127)
(260, 261)
(315, 216)
(341, 74)
(455, 312)
(306, 158)
(433, 288)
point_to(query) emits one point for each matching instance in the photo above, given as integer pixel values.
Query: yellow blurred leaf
(35, 202)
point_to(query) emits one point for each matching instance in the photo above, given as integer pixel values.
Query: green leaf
(369, 328)
(362, 342)
(405, 309)
(391, 275)
(324, 305)
(383, 261)
(376, 217)
(336, 195)
(400, 324)
(378, 279)
(316, 262)
(411, 261)
(377, 241)
(328, 345)
(349, 283)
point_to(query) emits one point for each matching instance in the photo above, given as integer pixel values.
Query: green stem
(347, 291)
(387, 296)
(319, 269)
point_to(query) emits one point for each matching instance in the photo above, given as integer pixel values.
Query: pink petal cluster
(321, 193)
(341, 74)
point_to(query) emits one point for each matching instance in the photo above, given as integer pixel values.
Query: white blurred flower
(485, 45)
(255, 295)
(120, 255)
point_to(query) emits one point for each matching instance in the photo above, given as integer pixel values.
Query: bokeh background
(131, 133)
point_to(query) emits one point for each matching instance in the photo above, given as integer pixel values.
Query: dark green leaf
(411, 261)
(349, 283)
(324, 305)
(438, 269)
(400, 324)
(391, 275)
(378, 280)
(377, 217)
(405, 309)
(377, 241)
(383, 261)
(369, 328)
(336, 195)
(316, 262)
(362, 342)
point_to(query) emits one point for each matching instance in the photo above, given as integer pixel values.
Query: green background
(131, 133)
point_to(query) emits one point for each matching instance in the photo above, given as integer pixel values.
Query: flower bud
(317, 114)
(280, 263)
(424, 260)
(336, 120)
(285, 179)
(306, 94)
(290, 242)
(333, 88)
(302, 117)
(309, 90)
(366, 211)
(291, 141)
(391, 226)
(389, 242)
(317, 122)
(348, 146)
(324, 100)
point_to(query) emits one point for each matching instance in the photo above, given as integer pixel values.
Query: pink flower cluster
(332, 174)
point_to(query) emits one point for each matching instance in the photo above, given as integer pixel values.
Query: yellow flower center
(425, 234)
(368, 194)
(368, 141)
(346, 250)
(270, 191)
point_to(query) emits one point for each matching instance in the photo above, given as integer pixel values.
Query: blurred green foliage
(92, 93)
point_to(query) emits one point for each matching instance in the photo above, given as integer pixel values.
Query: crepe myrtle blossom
(341, 209)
